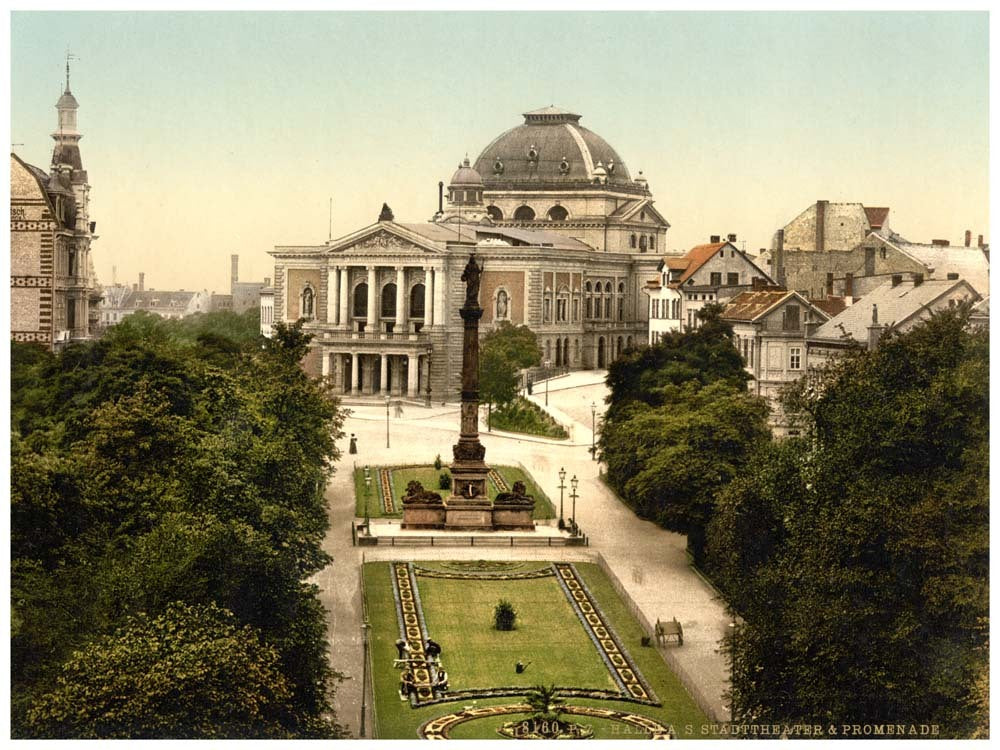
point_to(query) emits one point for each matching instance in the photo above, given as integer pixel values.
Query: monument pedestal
(467, 514)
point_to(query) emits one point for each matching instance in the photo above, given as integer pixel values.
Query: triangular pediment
(643, 212)
(385, 238)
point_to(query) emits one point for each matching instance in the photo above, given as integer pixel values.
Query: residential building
(706, 274)
(54, 291)
(770, 327)
(897, 305)
(120, 301)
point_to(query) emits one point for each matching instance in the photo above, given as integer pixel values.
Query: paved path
(650, 563)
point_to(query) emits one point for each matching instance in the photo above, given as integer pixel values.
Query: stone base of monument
(417, 515)
(464, 514)
(513, 517)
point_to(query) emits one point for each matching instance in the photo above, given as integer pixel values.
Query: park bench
(667, 630)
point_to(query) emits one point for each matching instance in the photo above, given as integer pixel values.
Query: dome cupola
(466, 186)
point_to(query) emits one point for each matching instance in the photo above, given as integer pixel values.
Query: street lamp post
(593, 430)
(562, 487)
(364, 674)
(368, 492)
(573, 483)
(547, 363)
(387, 400)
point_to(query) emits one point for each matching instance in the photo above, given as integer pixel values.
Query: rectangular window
(795, 358)
(732, 279)
(791, 319)
(576, 310)
(547, 310)
(561, 310)
(716, 278)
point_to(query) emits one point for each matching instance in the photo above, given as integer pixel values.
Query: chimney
(135, 287)
(829, 285)
(714, 239)
(440, 197)
(731, 238)
(940, 243)
(849, 284)
(897, 279)
(142, 281)
(757, 284)
(821, 226)
(267, 281)
(779, 259)
(874, 330)
(952, 276)
(234, 274)
(980, 241)
(968, 237)
(918, 279)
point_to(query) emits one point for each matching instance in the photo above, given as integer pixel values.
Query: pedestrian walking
(399, 408)
(354, 444)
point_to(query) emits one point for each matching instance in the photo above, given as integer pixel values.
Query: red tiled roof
(678, 264)
(831, 305)
(698, 256)
(876, 216)
(749, 305)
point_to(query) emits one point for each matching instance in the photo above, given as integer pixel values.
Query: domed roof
(67, 101)
(466, 175)
(550, 147)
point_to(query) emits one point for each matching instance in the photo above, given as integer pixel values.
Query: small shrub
(444, 481)
(504, 615)
(437, 462)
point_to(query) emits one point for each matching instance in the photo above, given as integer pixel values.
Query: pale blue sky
(207, 134)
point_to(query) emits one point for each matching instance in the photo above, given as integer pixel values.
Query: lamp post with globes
(562, 488)
(593, 430)
(387, 400)
(573, 483)
(368, 492)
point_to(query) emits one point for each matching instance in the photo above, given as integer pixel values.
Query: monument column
(412, 375)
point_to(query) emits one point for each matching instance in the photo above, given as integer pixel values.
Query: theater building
(567, 238)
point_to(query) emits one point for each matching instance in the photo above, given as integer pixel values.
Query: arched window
(566, 352)
(562, 305)
(652, 242)
(389, 301)
(495, 213)
(631, 241)
(642, 244)
(361, 300)
(524, 213)
(547, 307)
(417, 301)
(559, 352)
(307, 303)
(558, 213)
(590, 307)
(548, 351)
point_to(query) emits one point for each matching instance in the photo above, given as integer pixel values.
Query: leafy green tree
(680, 424)
(503, 352)
(857, 557)
(668, 462)
(190, 672)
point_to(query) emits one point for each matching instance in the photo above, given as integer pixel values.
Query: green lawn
(459, 616)
(428, 477)
(526, 417)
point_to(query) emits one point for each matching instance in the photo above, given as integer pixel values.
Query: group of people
(407, 682)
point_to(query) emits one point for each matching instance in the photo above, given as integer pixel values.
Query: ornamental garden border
(632, 686)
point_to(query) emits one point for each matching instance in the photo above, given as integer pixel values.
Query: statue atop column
(471, 275)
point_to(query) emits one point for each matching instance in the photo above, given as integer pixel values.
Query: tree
(191, 672)
(668, 462)
(545, 702)
(503, 352)
(857, 557)
(680, 425)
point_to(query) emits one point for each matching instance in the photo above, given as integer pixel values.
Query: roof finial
(69, 56)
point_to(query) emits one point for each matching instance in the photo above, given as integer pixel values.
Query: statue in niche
(502, 302)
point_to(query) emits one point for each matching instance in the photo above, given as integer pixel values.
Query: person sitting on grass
(433, 650)
(406, 685)
(441, 683)
(402, 649)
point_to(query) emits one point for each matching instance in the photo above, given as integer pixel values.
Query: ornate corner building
(568, 239)
(54, 296)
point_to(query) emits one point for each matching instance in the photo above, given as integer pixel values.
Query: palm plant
(544, 701)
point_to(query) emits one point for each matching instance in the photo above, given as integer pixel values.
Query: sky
(207, 134)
